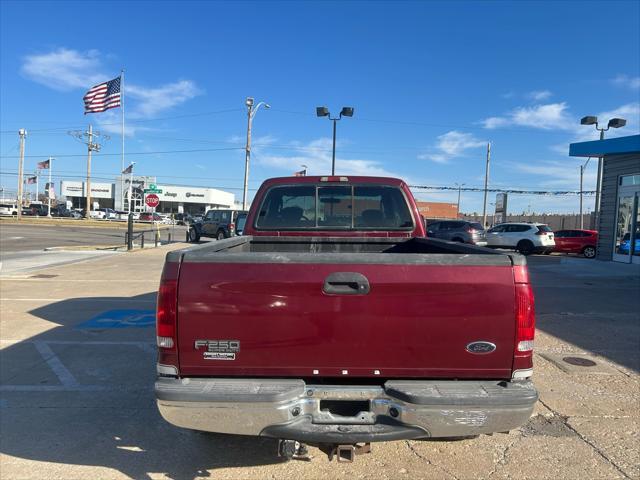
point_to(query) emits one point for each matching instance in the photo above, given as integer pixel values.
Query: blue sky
(431, 84)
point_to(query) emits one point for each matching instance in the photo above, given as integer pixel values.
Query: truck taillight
(525, 318)
(232, 227)
(166, 317)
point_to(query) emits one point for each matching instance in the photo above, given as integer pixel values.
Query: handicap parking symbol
(120, 319)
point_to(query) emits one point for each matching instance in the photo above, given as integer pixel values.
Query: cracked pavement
(86, 409)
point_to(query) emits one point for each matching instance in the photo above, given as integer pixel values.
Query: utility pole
(486, 183)
(459, 185)
(582, 169)
(23, 134)
(91, 146)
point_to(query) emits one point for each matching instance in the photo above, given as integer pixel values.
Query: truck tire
(194, 236)
(220, 235)
(525, 247)
(589, 251)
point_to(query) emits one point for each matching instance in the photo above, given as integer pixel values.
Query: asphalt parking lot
(77, 367)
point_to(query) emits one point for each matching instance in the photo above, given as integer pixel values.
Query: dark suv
(461, 231)
(218, 224)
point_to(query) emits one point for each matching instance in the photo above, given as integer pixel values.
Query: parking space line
(53, 388)
(142, 345)
(65, 376)
(92, 299)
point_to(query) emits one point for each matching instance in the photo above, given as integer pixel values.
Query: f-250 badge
(218, 349)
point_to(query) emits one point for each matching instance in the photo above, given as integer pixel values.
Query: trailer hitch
(345, 453)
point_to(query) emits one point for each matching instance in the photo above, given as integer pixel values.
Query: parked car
(462, 231)
(8, 209)
(182, 219)
(98, 214)
(240, 222)
(583, 242)
(218, 224)
(333, 320)
(526, 238)
(150, 217)
(109, 213)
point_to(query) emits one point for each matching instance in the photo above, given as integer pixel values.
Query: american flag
(32, 180)
(43, 165)
(129, 169)
(301, 173)
(103, 97)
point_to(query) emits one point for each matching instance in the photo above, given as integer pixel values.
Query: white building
(173, 198)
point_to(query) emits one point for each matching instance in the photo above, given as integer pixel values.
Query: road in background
(22, 247)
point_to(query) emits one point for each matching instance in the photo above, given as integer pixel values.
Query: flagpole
(37, 183)
(49, 191)
(122, 162)
(130, 183)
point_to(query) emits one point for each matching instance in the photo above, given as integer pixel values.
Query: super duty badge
(218, 349)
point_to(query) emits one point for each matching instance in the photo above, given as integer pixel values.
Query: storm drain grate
(579, 362)
(43, 275)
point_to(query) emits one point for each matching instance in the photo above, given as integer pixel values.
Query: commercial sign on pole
(501, 208)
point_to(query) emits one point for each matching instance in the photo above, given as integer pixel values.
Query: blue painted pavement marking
(120, 319)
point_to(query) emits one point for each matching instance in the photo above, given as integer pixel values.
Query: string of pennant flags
(515, 192)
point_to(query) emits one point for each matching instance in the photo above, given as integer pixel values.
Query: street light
(324, 112)
(459, 185)
(613, 123)
(251, 112)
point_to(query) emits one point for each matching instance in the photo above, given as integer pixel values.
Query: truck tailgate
(414, 320)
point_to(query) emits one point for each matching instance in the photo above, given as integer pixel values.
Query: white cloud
(622, 80)
(558, 174)
(546, 117)
(152, 100)
(452, 144)
(539, 95)
(64, 69)
(316, 155)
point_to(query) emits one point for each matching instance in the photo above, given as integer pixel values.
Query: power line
(160, 152)
(501, 190)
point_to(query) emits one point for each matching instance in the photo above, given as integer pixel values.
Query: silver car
(462, 231)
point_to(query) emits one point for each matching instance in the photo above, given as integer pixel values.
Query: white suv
(526, 238)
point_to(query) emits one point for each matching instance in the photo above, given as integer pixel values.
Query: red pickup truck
(334, 322)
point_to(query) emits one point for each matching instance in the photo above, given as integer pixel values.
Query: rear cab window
(335, 207)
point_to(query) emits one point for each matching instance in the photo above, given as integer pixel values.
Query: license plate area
(350, 412)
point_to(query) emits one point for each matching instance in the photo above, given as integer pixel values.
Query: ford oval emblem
(481, 348)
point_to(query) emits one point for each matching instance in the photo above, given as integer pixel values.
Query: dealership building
(173, 198)
(619, 219)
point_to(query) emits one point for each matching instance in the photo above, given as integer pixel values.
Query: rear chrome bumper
(290, 409)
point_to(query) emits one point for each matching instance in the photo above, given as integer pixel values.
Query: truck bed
(330, 308)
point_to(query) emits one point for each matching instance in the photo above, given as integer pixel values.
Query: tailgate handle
(346, 283)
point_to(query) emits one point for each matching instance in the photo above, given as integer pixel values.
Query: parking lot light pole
(613, 123)
(251, 112)
(324, 112)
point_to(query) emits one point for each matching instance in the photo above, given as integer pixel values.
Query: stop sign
(152, 200)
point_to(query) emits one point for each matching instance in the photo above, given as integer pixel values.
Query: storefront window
(623, 228)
